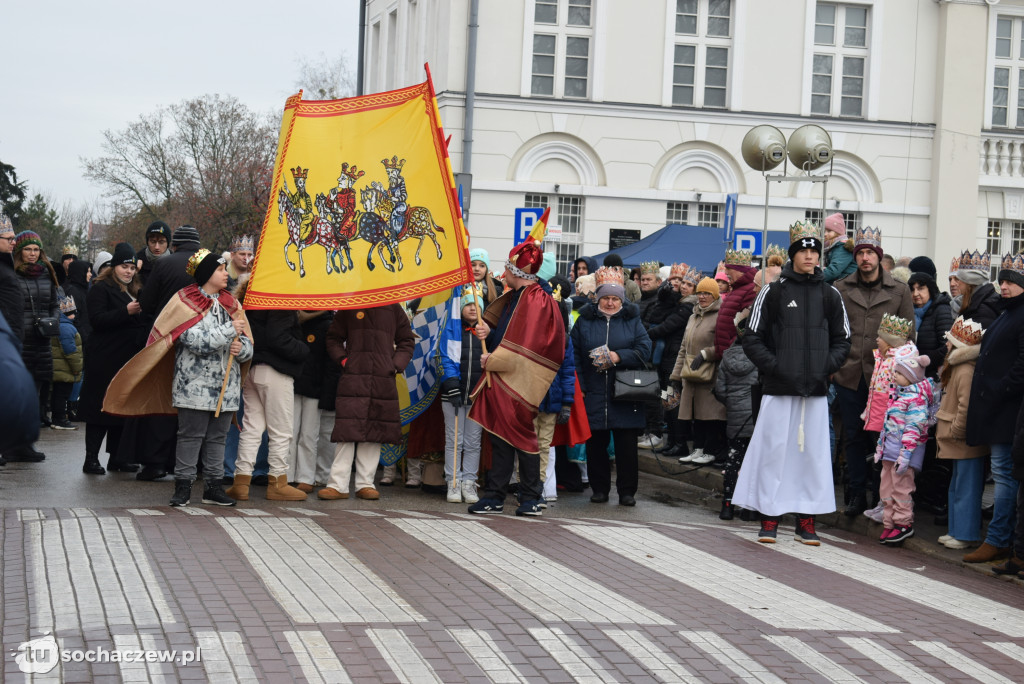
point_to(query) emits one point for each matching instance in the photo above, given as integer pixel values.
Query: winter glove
(902, 463)
(677, 385)
(450, 392)
(563, 415)
(697, 362)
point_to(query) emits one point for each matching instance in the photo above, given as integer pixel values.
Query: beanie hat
(612, 259)
(894, 330)
(480, 254)
(103, 260)
(610, 282)
(184, 235)
(123, 254)
(202, 264)
(835, 223)
(923, 264)
(586, 284)
(26, 238)
(1012, 269)
(868, 237)
(548, 267)
(158, 228)
(911, 367)
(708, 285)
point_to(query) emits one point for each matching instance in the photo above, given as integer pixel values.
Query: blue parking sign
(749, 240)
(525, 220)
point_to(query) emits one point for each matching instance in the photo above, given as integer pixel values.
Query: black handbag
(46, 326)
(640, 384)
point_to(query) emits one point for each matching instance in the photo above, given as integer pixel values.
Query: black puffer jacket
(931, 336)
(734, 381)
(666, 321)
(310, 381)
(77, 287)
(277, 341)
(998, 383)
(986, 303)
(39, 298)
(11, 306)
(798, 334)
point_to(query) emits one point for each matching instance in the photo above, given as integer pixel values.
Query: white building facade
(630, 114)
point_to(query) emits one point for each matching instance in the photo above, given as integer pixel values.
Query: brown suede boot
(239, 489)
(1013, 566)
(304, 487)
(278, 489)
(987, 553)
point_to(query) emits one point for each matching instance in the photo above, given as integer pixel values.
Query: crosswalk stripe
(620, 523)
(367, 514)
(570, 654)
(464, 516)
(898, 665)
(143, 511)
(544, 587)
(823, 665)
(659, 662)
(317, 659)
(224, 657)
(730, 657)
(945, 598)
(26, 514)
(140, 671)
(1008, 649)
(304, 511)
(74, 560)
(678, 526)
(314, 577)
(415, 514)
(488, 656)
(190, 510)
(762, 598)
(959, 661)
(402, 657)
(834, 538)
(253, 512)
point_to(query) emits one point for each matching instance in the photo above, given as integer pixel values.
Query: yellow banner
(363, 210)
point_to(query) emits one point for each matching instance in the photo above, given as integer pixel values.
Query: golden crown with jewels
(895, 326)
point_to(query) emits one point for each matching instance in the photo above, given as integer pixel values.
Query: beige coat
(951, 429)
(698, 401)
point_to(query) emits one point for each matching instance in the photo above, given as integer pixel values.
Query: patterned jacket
(910, 414)
(883, 386)
(201, 359)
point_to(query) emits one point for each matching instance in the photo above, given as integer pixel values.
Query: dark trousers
(159, 438)
(94, 435)
(856, 441)
(567, 473)
(733, 460)
(708, 435)
(503, 461)
(599, 467)
(59, 401)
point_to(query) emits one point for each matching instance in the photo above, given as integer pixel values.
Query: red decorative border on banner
(363, 103)
(391, 295)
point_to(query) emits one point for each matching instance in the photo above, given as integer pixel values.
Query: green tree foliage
(12, 193)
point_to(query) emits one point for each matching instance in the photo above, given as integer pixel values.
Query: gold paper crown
(195, 260)
(70, 249)
(67, 305)
(678, 271)
(895, 326)
(471, 294)
(5, 222)
(693, 276)
(776, 255)
(738, 257)
(803, 230)
(976, 261)
(965, 331)
(609, 275)
(299, 172)
(241, 243)
(868, 237)
(650, 268)
(1013, 262)
(393, 163)
(350, 172)
(954, 265)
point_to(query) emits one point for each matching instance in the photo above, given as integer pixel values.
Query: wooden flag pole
(483, 343)
(224, 385)
(455, 448)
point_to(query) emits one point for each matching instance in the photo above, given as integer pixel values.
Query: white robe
(788, 465)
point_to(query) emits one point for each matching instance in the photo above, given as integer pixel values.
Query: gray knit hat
(184, 235)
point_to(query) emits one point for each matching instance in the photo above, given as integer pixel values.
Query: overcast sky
(72, 69)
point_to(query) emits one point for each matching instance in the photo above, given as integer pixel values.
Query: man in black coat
(797, 337)
(12, 302)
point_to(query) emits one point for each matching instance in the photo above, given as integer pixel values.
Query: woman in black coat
(996, 391)
(118, 333)
(616, 325)
(933, 318)
(38, 283)
(980, 303)
(77, 287)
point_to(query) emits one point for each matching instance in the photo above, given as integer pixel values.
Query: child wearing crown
(893, 334)
(911, 411)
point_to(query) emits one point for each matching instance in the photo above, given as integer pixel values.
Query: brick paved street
(412, 589)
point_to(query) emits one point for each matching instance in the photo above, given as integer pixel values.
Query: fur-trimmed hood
(963, 355)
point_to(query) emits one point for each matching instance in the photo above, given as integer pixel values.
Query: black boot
(858, 504)
(213, 494)
(747, 515)
(727, 511)
(92, 465)
(182, 492)
(150, 473)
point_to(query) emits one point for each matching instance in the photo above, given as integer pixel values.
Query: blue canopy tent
(698, 246)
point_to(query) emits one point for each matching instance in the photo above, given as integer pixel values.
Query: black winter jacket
(168, 276)
(77, 287)
(625, 335)
(798, 334)
(986, 304)
(734, 381)
(931, 336)
(309, 382)
(666, 321)
(998, 383)
(38, 298)
(11, 306)
(277, 341)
